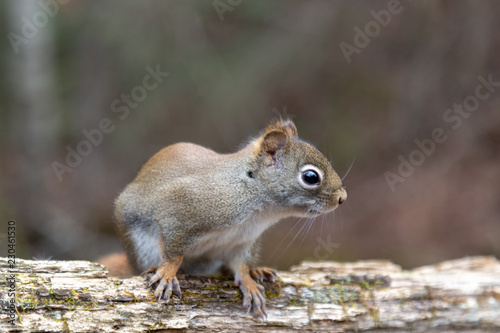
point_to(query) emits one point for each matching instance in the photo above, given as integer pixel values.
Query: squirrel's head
(296, 175)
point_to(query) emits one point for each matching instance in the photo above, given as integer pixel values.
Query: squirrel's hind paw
(261, 274)
(254, 299)
(167, 284)
(149, 271)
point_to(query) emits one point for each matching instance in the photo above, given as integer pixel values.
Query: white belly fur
(214, 248)
(147, 248)
(221, 244)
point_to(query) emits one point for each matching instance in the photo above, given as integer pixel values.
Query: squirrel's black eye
(310, 177)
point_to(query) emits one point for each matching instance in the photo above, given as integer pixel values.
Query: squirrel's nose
(343, 196)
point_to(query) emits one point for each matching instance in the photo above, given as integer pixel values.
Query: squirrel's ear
(289, 126)
(276, 137)
(273, 141)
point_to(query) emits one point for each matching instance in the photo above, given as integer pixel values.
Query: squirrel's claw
(254, 299)
(176, 287)
(261, 274)
(166, 284)
(166, 287)
(150, 270)
(155, 278)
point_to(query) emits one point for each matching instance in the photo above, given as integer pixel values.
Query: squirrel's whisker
(349, 170)
(283, 238)
(288, 233)
(341, 220)
(298, 233)
(310, 222)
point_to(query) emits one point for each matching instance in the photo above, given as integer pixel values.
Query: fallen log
(367, 296)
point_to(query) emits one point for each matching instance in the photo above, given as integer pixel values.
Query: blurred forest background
(232, 65)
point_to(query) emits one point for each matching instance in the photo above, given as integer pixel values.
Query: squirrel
(198, 211)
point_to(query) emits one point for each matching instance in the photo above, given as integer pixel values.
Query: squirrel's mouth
(314, 213)
(317, 211)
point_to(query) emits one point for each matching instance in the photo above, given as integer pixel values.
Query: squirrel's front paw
(261, 274)
(254, 298)
(167, 283)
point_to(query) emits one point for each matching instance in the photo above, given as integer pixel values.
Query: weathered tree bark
(367, 296)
